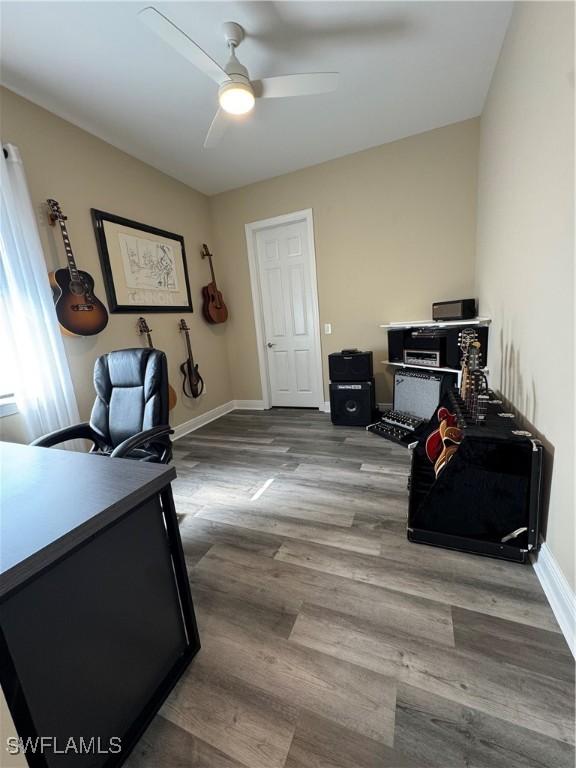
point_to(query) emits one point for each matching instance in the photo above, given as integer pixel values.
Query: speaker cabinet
(354, 366)
(352, 404)
(396, 345)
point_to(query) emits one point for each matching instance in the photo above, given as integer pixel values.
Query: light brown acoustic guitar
(144, 330)
(78, 310)
(214, 309)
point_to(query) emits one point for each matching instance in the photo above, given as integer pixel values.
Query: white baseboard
(561, 598)
(249, 405)
(204, 418)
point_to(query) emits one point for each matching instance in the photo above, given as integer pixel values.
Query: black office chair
(130, 414)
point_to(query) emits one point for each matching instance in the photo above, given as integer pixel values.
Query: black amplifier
(352, 404)
(350, 365)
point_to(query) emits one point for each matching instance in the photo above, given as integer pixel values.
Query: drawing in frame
(144, 267)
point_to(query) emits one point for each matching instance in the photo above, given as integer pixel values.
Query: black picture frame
(98, 220)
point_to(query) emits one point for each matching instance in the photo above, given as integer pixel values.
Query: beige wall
(394, 230)
(524, 272)
(83, 172)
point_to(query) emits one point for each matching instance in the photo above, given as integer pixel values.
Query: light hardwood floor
(329, 640)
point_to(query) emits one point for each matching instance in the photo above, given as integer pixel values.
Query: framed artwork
(144, 267)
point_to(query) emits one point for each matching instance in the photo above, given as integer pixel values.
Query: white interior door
(286, 275)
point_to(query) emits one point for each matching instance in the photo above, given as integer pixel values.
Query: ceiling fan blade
(295, 85)
(180, 41)
(217, 129)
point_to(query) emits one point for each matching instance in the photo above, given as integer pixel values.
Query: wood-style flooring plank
(319, 743)
(536, 702)
(244, 722)
(345, 693)
(276, 503)
(199, 535)
(355, 540)
(353, 480)
(216, 607)
(520, 644)
(433, 582)
(438, 733)
(166, 744)
(287, 587)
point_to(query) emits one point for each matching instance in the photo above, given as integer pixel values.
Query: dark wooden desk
(96, 617)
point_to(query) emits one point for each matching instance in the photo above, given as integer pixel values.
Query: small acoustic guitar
(214, 309)
(193, 383)
(144, 330)
(79, 311)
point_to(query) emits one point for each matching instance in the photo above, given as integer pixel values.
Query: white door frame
(252, 230)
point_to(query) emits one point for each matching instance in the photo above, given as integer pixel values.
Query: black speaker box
(396, 345)
(351, 366)
(352, 404)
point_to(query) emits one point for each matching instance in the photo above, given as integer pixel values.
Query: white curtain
(44, 392)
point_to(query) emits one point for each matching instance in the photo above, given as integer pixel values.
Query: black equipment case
(487, 491)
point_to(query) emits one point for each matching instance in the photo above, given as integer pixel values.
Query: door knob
(270, 345)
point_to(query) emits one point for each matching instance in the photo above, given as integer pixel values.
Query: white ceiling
(406, 67)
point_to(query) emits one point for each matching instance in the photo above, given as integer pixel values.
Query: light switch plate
(327, 328)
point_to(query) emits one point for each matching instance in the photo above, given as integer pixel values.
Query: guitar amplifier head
(350, 366)
(419, 392)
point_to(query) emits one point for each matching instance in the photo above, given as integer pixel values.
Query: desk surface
(53, 500)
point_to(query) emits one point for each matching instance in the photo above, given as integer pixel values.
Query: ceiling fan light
(236, 98)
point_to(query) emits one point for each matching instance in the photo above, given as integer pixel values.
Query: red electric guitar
(443, 443)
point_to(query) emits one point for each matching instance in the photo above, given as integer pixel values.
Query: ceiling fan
(237, 93)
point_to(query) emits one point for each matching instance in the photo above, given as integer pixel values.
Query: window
(7, 381)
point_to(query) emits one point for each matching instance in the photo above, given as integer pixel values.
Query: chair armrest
(76, 431)
(148, 436)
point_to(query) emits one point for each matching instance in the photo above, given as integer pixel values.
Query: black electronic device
(398, 435)
(431, 347)
(421, 345)
(352, 403)
(396, 426)
(401, 419)
(427, 358)
(457, 309)
(350, 365)
(418, 392)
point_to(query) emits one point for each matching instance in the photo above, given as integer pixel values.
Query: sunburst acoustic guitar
(79, 311)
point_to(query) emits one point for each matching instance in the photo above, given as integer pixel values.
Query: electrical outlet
(327, 329)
